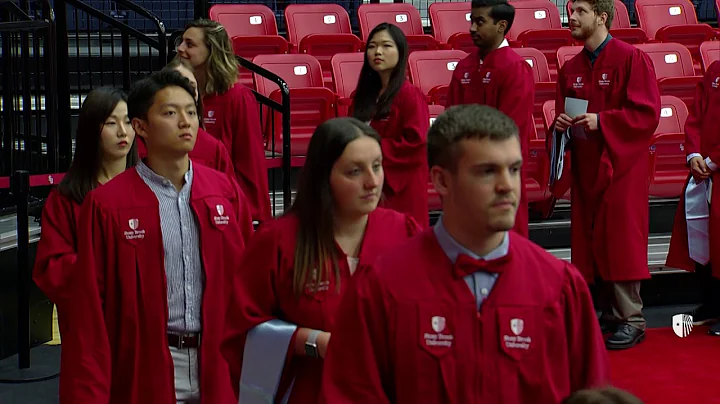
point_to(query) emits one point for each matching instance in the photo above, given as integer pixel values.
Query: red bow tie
(466, 265)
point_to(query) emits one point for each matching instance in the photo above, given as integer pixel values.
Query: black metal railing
(97, 48)
(272, 107)
(28, 122)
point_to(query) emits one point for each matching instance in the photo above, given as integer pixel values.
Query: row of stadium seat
(323, 30)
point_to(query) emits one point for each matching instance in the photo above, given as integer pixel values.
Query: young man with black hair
(495, 75)
(158, 247)
(467, 311)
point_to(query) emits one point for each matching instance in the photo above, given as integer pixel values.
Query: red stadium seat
(668, 159)
(450, 23)
(346, 69)
(431, 72)
(544, 88)
(673, 21)
(566, 53)
(674, 70)
(255, 24)
(537, 25)
(405, 16)
(253, 31)
(710, 52)
(321, 30)
(311, 102)
(621, 28)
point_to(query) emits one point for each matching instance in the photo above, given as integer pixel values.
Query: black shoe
(625, 337)
(715, 330)
(607, 327)
(704, 314)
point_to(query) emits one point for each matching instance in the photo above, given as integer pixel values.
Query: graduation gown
(55, 261)
(410, 332)
(702, 135)
(404, 147)
(234, 118)
(265, 292)
(208, 151)
(504, 81)
(610, 168)
(121, 294)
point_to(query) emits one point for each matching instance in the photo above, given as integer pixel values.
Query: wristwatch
(311, 348)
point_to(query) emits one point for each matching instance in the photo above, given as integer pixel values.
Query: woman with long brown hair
(296, 269)
(232, 114)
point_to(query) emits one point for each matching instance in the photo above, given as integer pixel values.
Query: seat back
(566, 53)
(549, 113)
(430, 69)
(298, 71)
(346, 69)
(302, 20)
(447, 19)
(245, 19)
(710, 51)
(669, 59)
(404, 15)
(534, 15)
(673, 114)
(538, 62)
(655, 14)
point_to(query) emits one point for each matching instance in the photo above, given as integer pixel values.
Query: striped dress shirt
(181, 247)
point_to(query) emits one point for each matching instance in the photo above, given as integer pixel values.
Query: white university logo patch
(517, 325)
(438, 323)
(682, 325)
(221, 219)
(134, 233)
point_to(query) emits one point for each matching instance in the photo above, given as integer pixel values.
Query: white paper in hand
(575, 107)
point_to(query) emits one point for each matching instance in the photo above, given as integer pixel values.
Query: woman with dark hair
(104, 147)
(397, 110)
(232, 114)
(296, 269)
(208, 151)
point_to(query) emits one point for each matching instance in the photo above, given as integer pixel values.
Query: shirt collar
(150, 175)
(452, 248)
(593, 55)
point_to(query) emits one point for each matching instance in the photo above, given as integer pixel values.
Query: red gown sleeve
(254, 299)
(454, 95)
(56, 250)
(248, 153)
(357, 364)
(407, 147)
(412, 226)
(243, 213)
(587, 355)
(87, 377)
(627, 131)
(694, 120)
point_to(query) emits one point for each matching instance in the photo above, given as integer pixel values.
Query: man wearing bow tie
(467, 311)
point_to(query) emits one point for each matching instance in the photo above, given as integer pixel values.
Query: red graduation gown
(409, 332)
(503, 81)
(208, 151)
(265, 292)
(610, 170)
(404, 147)
(57, 249)
(54, 265)
(702, 135)
(234, 118)
(121, 293)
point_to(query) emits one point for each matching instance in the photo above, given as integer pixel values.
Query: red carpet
(666, 369)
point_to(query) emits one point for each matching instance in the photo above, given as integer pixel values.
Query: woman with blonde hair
(232, 114)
